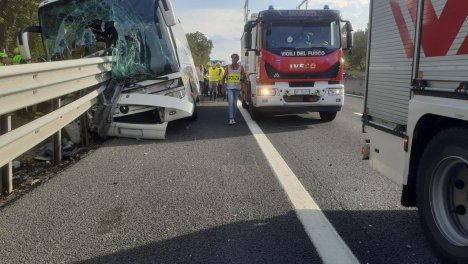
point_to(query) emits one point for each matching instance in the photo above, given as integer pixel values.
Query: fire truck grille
(301, 84)
(301, 98)
(332, 72)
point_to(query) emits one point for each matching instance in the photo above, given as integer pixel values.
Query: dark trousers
(205, 88)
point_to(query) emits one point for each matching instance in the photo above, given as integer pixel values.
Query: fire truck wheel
(244, 104)
(327, 116)
(254, 114)
(442, 192)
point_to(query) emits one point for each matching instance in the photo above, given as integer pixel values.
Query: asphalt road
(363, 206)
(206, 194)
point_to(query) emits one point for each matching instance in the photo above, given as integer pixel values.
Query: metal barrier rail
(26, 85)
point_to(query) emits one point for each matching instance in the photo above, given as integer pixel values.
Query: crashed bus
(153, 79)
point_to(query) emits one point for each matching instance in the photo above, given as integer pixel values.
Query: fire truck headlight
(266, 91)
(335, 91)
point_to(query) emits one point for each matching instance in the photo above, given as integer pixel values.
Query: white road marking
(353, 95)
(359, 114)
(328, 243)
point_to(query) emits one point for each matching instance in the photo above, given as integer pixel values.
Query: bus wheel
(327, 116)
(442, 191)
(195, 112)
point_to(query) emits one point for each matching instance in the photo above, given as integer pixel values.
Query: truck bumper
(320, 97)
(298, 109)
(174, 108)
(143, 131)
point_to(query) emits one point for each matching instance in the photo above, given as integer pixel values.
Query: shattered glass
(132, 32)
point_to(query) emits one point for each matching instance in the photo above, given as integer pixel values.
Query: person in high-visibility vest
(17, 59)
(221, 90)
(4, 59)
(214, 74)
(206, 79)
(234, 76)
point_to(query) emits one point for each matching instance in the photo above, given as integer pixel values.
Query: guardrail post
(6, 172)
(84, 130)
(57, 138)
(84, 126)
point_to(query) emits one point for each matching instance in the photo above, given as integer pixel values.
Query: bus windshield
(132, 32)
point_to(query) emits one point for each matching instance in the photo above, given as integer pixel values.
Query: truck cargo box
(399, 60)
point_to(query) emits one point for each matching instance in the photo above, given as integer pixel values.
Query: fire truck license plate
(302, 91)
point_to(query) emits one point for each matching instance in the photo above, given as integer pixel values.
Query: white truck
(153, 78)
(416, 112)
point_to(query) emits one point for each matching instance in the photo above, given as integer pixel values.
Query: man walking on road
(234, 75)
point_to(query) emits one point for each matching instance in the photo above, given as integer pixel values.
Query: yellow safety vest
(233, 78)
(214, 74)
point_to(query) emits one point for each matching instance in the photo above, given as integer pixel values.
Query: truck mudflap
(174, 108)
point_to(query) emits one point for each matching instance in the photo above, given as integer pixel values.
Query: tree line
(356, 60)
(200, 46)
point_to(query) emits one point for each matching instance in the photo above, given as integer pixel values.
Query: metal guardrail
(22, 86)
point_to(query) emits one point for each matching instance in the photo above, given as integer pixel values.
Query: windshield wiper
(145, 76)
(287, 48)
(281, 48)
(149, 76)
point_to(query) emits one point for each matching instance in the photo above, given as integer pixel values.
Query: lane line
(328, 243)
(359, 114)
(353, 95)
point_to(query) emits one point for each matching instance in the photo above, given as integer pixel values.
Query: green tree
(357, 59)
(200, 47)
(15, 15)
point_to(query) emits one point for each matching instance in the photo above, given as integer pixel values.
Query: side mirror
(167, 12)
(349, 40)
(349, 27)
(248, 27)
(248, 40)
(346, 35)
(23, 40)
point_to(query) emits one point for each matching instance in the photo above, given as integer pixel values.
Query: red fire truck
(294, 61)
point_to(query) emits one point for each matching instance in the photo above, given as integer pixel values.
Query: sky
(222, 21)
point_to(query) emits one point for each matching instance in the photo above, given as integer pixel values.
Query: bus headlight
(266, 91)
(335, 91)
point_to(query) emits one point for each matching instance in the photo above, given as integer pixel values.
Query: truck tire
(254, 114)
(328, 116)
(442, 190)
(195, 112)
(244, 104)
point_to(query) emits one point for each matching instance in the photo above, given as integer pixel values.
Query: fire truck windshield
(301, 36)
(133, 34)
